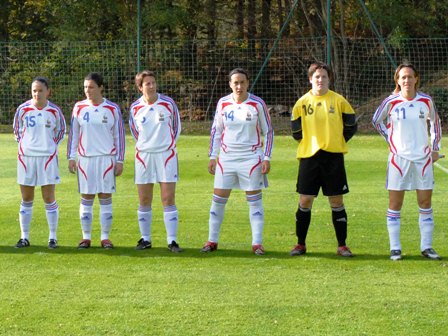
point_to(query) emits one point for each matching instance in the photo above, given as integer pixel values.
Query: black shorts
(323, 169)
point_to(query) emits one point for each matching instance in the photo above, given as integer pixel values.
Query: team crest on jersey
(161, 117)
(48, 125)
(422, 114)
(248, 116)
(104, 119)
(331, 109)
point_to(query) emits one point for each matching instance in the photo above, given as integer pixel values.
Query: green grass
(231, 292)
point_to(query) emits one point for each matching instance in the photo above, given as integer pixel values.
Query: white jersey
(38, 131)
(96, 130)
(406, 128)
(237, 128)
(156, 126)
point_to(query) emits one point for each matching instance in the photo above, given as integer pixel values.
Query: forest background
(193, 44)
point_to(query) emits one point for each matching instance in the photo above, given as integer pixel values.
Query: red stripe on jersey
(54, 112)
(80, 107)
(173, 154)
(19, 157)
(396, 165)
(49, 160)
(82, 171)
(426, 166)
(108, 168)
(224, 105)
(111, 108)
(253, 168)
(426, 101)
(137, 156)
(137, 108)
(220, 166)
(167, 106)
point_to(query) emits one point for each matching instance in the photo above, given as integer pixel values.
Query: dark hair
(397, 76)
(141, 76)
(238, 71)
(42, 80)
(96, 77)
(320, 65)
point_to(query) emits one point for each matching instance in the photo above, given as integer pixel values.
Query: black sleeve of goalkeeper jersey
(350, 126)
(296, 127)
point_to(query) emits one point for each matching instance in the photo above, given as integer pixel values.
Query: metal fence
(195, 72)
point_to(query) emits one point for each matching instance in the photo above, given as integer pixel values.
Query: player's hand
(265, 167)
(118, 169)
(435, 156)
(212, 166)
(72, 166)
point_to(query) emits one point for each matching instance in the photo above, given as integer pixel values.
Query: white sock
(105, 217)
(52, 212)
(426, 223)
(171, 220)
(25, 216)
(86, 216)
(216, 217)
(393, 226)
(256, 217)
(144, 215)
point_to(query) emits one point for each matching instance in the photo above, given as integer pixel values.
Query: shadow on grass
(162, 252)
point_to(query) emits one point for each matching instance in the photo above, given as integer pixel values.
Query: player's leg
(144, 214)
(170, 214)
(25, 214)
(106, 216)
(86, 218)
(217, 210)
(393, 218)
(52, 213)
(256, 218)
(334, 185)
(426, 223)
(308, 185)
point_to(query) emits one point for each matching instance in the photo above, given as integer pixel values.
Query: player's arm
(60, 127)
(216, 134)
(378, 119)
(120, 141)
(350, 125)
(296, 123)
(435, 130)
(268, 132)
(176, 121)
(132, 125)
(17, 126)
(73, 136)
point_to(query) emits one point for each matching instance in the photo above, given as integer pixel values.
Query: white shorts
(96, 174)
(403, 174)
(240, 173)
(38, 170)
(156, 167)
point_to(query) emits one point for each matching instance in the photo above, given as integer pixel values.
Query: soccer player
(241, 119)
(155, 125)
(39, 127)
(97, 138)
(322, 121)
(402, 119)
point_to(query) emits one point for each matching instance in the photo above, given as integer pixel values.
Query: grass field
(230, 292)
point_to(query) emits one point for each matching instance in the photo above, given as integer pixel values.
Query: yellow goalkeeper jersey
(322, 123)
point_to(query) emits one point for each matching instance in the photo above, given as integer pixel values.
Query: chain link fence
(194, 72)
